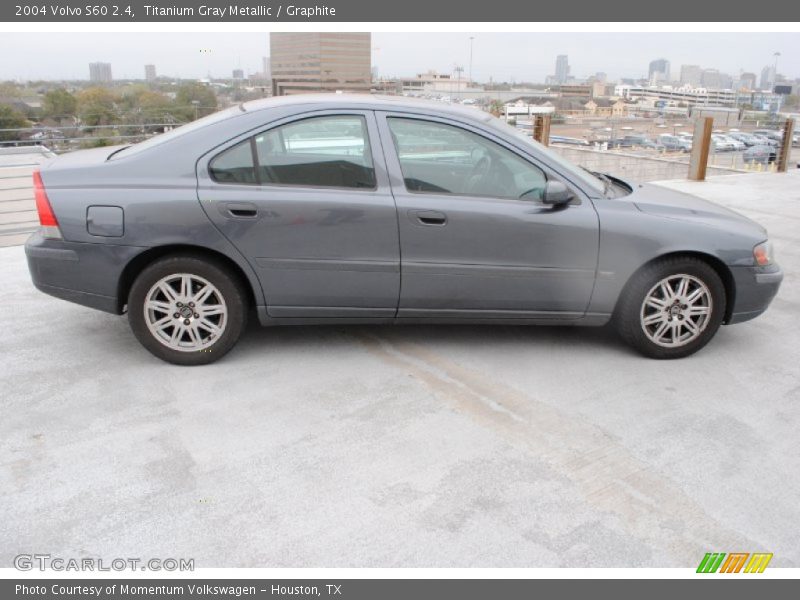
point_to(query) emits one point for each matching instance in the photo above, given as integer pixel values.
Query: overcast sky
(503, 56)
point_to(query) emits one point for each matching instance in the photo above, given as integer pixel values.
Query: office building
(562, 68)
(691, 75)
(320, 62)
(658, 72)
(150, 72)
(99, 72)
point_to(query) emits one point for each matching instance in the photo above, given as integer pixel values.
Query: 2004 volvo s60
(338, 209)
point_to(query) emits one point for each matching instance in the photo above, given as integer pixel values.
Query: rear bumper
(755, 289)
(87, 274)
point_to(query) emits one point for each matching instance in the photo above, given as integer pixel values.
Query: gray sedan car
(340, 209)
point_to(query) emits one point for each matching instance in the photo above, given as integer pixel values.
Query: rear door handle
(238, 210)
(432, 218)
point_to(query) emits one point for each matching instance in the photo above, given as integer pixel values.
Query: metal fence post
(786, 146)
(541, 129)
(701, 146)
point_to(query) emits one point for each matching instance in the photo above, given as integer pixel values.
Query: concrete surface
(405, 446)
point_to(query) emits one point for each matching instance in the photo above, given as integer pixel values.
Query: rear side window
(234, 165)
(330, 151)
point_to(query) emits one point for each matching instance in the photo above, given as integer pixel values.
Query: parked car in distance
(746, 138)
(764, 141)
(570, 141)
(738, 145)
(635, 141)
(760, 155)
(770, 134)
(312, 209)
(674, 143)
(722, 144)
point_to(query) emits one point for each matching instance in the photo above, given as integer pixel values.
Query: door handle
(238, 210)
(432, 218)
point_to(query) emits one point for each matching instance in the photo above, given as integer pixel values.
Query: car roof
(368, 102)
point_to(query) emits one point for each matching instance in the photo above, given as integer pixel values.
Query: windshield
(586, 177)
(161, 138)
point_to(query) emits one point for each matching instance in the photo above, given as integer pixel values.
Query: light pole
(471, 39)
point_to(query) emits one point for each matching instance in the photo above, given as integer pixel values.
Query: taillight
(47, 218)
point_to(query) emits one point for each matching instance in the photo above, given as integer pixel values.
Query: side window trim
(254, 154)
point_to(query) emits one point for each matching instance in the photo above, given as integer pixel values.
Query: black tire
(630, 312)
(229, 292)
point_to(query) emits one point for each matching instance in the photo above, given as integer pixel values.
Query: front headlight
(763, 254)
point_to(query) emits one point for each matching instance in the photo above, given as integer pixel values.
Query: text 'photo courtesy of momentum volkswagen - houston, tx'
(361, 209)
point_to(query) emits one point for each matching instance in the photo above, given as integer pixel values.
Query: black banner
(123, 11)
(704, 586)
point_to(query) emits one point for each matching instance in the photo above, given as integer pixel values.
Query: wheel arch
(714, 262)
(138, 263)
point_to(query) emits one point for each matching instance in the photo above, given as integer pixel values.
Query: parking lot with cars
(406, 446)
(744, 148)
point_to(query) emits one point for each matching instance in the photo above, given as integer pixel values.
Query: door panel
(319, 251)
(485, 256)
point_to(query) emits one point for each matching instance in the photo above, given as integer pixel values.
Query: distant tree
(97, 106)
(496, 108)
(190, 93)
(10, 90)
(59, 104)
(11, 119)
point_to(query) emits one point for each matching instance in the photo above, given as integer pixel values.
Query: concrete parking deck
(405, 446)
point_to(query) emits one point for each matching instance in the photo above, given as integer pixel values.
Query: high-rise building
(658, 72)
(238, 74)
(150, 72)
(320, 62)
(562, 68)
(747, 81)
(99, 72)
(712, 78)
(691, 75)
(767, 77)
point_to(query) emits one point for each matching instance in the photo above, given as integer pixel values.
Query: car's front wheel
(187, 310)
(671, 308)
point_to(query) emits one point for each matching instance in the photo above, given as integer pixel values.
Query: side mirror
(556, 194)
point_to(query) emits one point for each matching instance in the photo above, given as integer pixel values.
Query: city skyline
(195, 55)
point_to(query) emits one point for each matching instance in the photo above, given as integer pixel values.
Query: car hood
(671, 204)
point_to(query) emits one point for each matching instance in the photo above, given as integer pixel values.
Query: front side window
(439, 158)
(331, 151)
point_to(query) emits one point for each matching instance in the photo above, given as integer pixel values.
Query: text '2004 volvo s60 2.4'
(357, 209)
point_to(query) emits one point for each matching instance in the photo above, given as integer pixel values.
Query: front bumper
(755, 287)
(87, 274)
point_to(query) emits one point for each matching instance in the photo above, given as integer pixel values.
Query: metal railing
(711, 153)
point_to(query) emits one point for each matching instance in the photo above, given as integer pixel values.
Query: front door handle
(238, 210)
(432, 218)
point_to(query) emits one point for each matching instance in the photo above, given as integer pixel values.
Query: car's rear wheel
(671, 308)
(187, 310)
